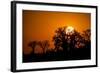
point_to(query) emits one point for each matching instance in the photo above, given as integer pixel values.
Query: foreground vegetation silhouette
(70, 45)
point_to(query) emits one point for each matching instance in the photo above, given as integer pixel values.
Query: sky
(41, 25)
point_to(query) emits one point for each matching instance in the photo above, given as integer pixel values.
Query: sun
(69, 29)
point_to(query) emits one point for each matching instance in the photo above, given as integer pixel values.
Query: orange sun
(69, 29)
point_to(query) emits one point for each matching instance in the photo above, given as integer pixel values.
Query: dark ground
(76, 54)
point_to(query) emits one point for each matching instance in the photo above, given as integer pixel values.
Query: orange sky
(41, 25)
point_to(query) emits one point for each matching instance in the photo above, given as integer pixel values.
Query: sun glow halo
(69, 29)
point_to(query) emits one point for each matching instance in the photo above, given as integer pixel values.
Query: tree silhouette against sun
(69, 44)
(66, 39)
(69, 39)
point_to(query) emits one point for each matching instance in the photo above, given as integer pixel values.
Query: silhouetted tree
(68, 41)
(86, 34)
(79, 40)
(44, 45)
(59, 38)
